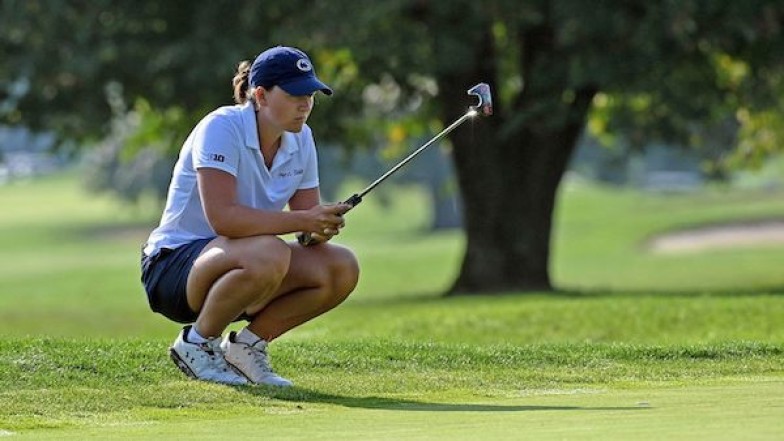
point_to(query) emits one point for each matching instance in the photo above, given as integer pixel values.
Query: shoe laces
(258, 352)
(215, 354)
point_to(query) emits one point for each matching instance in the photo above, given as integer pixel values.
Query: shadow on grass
(582, 294)
(723, 292)
(300, 395)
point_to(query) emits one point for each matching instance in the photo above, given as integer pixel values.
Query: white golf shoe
(203, 361)
(251, 361)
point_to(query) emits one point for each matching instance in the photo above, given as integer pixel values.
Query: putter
(484, 107)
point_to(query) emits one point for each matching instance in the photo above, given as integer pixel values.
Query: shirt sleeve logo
(217, 158)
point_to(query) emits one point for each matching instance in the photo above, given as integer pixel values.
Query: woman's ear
(260, 95)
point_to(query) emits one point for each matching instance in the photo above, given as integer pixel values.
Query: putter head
(485, 105)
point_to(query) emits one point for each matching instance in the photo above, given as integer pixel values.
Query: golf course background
(634, 344)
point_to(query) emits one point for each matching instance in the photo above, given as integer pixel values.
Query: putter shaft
(408, 158)
(484, 107)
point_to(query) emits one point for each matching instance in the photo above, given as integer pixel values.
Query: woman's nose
(306, 102)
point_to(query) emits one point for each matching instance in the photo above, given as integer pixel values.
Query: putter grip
(306, 239)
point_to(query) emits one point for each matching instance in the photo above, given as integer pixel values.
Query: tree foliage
(659, 67)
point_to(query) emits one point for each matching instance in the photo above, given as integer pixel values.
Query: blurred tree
(651, 70)
(655, 71)
(59, 56)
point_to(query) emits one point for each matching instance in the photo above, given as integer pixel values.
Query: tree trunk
(509, 167)
(509, 188)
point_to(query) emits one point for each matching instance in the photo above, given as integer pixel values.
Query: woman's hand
(325, 221)
(329, 221)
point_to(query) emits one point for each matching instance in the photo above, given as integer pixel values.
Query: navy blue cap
(288, 68)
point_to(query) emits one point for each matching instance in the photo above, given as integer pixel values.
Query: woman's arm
(218, 191)
(305, 199)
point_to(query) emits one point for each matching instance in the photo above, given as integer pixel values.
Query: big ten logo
(217, 158)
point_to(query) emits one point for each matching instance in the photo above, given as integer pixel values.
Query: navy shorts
(165, 278)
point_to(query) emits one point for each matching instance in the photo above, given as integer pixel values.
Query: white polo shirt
(227, 140)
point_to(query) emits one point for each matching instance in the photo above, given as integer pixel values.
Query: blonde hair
(240, 82)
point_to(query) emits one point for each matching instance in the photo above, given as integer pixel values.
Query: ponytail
(240, 82)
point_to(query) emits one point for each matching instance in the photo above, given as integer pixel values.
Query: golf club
(483, 107)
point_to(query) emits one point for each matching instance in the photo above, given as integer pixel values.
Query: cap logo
(304, 65)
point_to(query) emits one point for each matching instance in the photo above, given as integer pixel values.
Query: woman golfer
(216, 256)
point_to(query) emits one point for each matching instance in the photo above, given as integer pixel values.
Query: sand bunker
(725, 236)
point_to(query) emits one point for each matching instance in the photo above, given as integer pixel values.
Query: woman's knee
(265, 258)
(344, 270)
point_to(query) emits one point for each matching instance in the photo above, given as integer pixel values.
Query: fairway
(635, 345)
(694, 413)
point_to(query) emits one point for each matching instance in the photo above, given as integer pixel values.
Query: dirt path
(725, 236)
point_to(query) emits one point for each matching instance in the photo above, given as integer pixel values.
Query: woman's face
(287, 112)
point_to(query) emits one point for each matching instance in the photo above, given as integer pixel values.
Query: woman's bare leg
(318, 279)
(230, 275)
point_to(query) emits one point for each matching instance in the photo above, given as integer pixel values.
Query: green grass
(633, 345)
